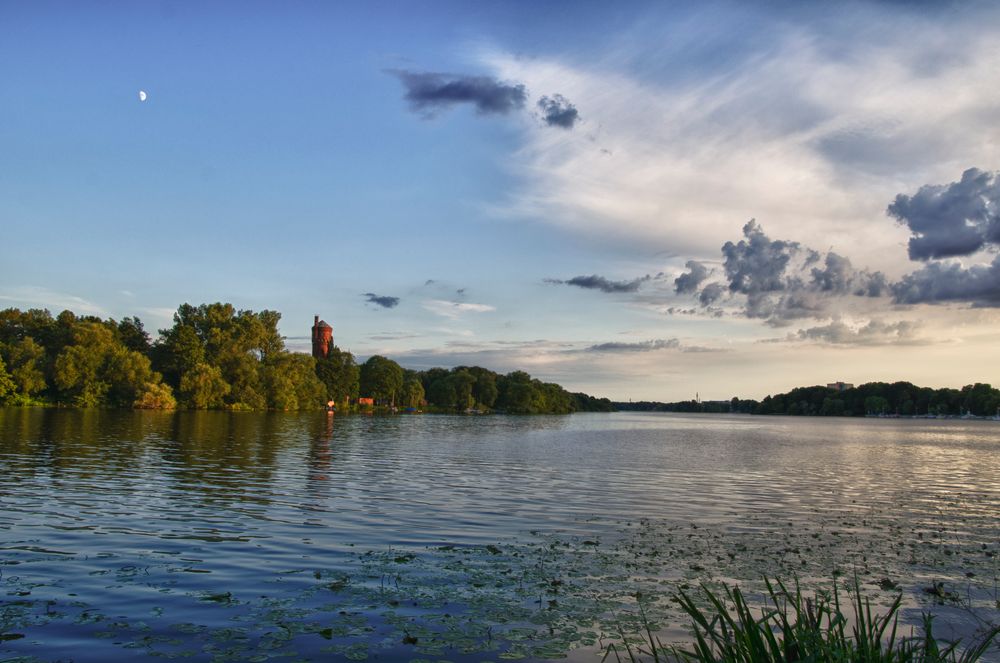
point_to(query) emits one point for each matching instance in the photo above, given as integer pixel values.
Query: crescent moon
(142, 95)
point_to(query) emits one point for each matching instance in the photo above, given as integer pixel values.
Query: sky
(635, 200)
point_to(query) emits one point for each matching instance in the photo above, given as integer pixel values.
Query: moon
(142, 95)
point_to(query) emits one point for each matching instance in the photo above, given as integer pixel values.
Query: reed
(792, 627)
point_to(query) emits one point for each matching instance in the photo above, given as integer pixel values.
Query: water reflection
(142, 511)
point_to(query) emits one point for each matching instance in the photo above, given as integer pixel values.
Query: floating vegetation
(630, 594)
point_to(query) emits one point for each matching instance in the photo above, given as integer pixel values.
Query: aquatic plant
(792, 627)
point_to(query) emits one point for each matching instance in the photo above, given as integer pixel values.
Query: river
(213, 536)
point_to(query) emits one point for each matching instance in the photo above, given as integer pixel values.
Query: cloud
(757, 265)
(430, 93)
(779, 280)
(689, 281)
(956, 219)
(558, 112)
(595, 282)
(711, 293)
(382, 300)
(394, 336)
(41, 297)
(838, 276)
(751, 130)
(873, 333)
(643, 346)
(449, 309)
(946, 221)
(939, 282)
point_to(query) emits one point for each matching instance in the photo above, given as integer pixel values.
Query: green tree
(133, 335)
(79, 368)
(517, 394)
(292, 383)
(876, 405)
(127, 373)
(485, 390)
(155, 396)
(412, 393)
(178, 352)
(462, 382)
(832, 407)
(26, 361)
(441, 392)
(6, 383)
(381, 378)
(244, 374)
(238, 343)
(339, 374)
(95, 369)
(202, 387)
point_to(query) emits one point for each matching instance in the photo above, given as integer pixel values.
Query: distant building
(322, 337)
(840, 386)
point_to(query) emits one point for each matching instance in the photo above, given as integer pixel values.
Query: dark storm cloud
(939, 282)
(957, 219)
(557, 111)
(595, 282)
(381, 300)
(691, 279)
(429, 92)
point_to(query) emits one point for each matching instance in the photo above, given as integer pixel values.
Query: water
(239, 536)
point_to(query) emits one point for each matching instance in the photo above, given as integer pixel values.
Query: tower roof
(322, 323)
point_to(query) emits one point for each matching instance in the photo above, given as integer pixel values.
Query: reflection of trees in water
(223, 455)
(88, 442)
(320, 453)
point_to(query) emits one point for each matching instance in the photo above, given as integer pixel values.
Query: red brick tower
(322, 337)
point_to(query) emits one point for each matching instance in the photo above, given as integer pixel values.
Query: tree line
(870, 399)
(216, 357)
(466, 388)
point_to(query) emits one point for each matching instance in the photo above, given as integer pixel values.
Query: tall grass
(791, 627)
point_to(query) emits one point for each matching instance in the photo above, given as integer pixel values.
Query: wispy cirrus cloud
(812, 139)
(452, 309)
(37, 296)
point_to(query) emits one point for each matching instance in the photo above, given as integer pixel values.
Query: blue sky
(300, 156)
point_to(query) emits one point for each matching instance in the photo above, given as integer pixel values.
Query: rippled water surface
(239, 536)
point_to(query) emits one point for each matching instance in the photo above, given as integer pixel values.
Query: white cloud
(811, 139)
(454, 310)
(39, 297)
